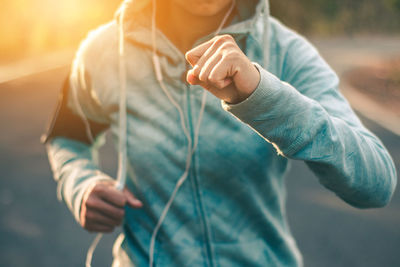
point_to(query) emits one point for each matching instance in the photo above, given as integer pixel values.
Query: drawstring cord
(122, 127)
(191, 148)
(122, 145)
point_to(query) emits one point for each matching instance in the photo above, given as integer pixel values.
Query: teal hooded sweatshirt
(231, 209)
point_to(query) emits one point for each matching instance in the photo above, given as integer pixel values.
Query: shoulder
(97, 56)
(100, 44)
(286, 39)
(292, 53)
(94, 69)
(100, 38)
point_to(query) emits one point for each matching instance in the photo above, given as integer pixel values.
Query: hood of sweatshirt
(249, 16)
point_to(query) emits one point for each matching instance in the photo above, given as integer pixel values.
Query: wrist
(253, 78)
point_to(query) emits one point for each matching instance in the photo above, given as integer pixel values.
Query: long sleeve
(71, 149)
(74, 169)
(71, 153)
(306, 118)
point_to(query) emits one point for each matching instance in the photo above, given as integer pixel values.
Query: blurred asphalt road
(37, 230)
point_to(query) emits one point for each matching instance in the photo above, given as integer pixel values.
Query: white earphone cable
(191, 149)
(122, 128)
(122, 146)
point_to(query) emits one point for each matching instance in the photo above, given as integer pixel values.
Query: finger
(110, 194)
(211, 86)
(193, 80)
(190, 78)
(94, 227)
(221, 75)
(99, 205)
(99, 218)
(210, 52)
(193, 55)
(132, 200)
(208, 67)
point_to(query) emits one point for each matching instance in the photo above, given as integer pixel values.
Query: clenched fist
(222, 68)
(103, 205)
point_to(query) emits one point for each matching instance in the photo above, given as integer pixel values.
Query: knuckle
(203, 77)
(97, 189)
(227, 37)
(223, 39)
(224, 57)
(89, 216)
(216, 38)
(233, 54)
(196, 71)
(213, 79)
(102, 189)
(224, 48)
(189, 55)
(219, 41)
(237, 53)
(90, 202)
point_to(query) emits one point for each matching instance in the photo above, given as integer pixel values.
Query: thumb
(131, 199)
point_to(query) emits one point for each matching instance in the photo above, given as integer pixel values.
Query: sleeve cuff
(246, 109)
(83, 188)
(276, 111)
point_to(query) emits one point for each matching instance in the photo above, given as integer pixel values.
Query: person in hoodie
(230, 112)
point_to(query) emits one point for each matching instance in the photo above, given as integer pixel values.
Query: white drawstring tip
(157, 67)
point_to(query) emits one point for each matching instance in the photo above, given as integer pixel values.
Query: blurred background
(359, 39)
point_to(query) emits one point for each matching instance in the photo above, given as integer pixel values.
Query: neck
(184, 29)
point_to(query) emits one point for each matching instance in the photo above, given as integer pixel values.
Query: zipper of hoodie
(195, 183)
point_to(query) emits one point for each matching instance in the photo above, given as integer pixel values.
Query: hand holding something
(222, 68)
(102, 207)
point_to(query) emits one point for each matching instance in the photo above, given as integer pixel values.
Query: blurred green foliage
(339, 17)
